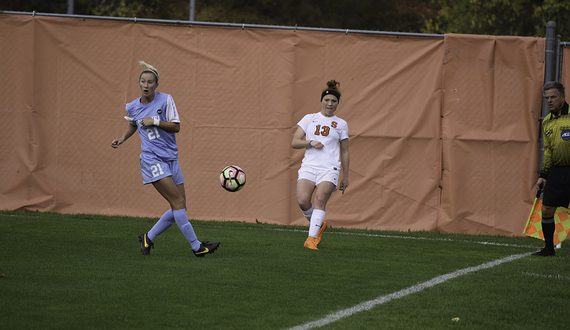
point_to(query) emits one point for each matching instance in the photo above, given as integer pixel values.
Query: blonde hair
(148, 68)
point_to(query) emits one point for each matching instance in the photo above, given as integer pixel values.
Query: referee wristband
(156, 121)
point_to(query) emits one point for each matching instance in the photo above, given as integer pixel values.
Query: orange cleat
(310, 243)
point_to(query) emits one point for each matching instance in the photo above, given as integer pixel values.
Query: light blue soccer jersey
(154, 140)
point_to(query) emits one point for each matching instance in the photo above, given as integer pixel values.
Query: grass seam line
(360, 234)
(398, 237)
(367, 305)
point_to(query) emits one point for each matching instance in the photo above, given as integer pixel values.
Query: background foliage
(500, 17)
(490, 17)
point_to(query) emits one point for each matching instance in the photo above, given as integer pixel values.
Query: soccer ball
(232, 178)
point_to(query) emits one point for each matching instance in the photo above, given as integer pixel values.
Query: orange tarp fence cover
(442, 130)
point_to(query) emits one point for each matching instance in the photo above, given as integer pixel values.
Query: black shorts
(557, 189)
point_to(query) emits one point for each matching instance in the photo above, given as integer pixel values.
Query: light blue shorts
(154, 169)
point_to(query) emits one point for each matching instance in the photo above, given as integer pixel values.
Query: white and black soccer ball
(232, 178)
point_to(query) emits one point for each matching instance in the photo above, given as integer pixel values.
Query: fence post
(548, 68)
(558, 59)
(70, 5)
(192, 11)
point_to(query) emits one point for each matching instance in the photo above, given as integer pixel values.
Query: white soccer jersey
(155, 140)
(327, 130)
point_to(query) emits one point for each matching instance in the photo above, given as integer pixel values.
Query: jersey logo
(565, 135)
(159, 111)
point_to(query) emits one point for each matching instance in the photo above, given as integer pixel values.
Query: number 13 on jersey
(325, 130)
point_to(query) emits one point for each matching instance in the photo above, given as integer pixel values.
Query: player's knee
(320, 202)
(548, 211)
(304, 203)
(178, 204)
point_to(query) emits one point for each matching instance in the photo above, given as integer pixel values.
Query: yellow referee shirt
(556, 134)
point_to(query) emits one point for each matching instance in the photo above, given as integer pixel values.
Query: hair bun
(332, 84)
(149, 68)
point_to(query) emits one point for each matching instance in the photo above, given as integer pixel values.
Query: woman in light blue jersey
(155, 117)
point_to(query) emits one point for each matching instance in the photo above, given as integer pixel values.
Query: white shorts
(318, 175)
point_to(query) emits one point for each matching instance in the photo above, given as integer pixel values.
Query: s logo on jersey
(565, 135)
(159, 111)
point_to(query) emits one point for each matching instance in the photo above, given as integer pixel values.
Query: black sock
(548, 231)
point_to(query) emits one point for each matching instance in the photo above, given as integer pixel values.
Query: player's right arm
(546, 159)
(299, 141)
(131, 129)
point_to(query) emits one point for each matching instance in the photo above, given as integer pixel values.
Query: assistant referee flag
(533, 226)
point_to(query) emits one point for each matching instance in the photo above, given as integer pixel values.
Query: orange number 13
(324, 130)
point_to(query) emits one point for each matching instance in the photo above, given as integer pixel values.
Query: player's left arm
(165, 125)
(172, 123)
(345, 163)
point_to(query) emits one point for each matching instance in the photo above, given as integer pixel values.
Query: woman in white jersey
(155, 117)
(325, 138)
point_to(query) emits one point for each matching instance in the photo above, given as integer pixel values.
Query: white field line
(367, 305)
(356, 234)
(558, 276)
(407, 237)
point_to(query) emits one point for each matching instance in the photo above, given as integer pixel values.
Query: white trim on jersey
(131, 120)
(171, 112)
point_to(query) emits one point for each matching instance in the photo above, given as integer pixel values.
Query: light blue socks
(186, 228)
(163, 224)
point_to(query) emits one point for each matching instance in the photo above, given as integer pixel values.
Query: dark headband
(332, 92)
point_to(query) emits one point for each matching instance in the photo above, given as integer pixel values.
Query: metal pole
(230, 25)
(192, 10)
(558, 59)
(548, 65)
(70, 7)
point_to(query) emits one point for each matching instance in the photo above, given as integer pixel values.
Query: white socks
(186, 228)
(309, 212)
(316, 221)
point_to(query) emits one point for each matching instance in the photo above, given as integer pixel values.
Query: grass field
(87, 272)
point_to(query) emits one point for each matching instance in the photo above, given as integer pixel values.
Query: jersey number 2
(156, 170)
(153, 133)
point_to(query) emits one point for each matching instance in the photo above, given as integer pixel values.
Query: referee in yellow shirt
(555, 172)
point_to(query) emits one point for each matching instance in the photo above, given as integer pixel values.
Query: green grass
(86, 271)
